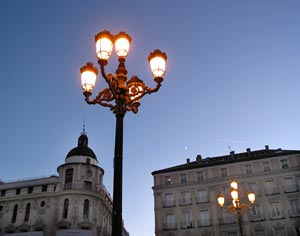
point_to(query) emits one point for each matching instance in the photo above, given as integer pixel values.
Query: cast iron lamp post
(236, 208)
(121, 95)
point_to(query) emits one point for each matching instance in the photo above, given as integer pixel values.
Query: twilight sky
(233, 79)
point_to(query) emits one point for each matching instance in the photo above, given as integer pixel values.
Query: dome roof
(82, 148)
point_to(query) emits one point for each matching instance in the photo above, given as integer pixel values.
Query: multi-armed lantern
(126, 93)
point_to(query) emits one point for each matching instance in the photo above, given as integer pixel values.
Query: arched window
(86, 206)
(27, 212)
(68, 178)
(15, 213)
(66, 207)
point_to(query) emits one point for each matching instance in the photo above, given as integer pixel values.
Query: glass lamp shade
(88, 77)
(104, 45)
(122, 43)
(234, 203)
(221, 200)
(157, 60)
(234, 184)
(251, 197)
(234, 194)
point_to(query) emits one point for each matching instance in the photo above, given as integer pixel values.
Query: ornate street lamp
(237, 209)
(120, 96)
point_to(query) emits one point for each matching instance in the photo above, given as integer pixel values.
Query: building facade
(185, 196)
(73, 203)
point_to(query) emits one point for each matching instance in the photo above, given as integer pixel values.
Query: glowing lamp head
(221, 200)
(104, 45)
(88, 77)
(234, 203)
(234, 184)
(122, 43)
(251, 197)
(157, 60)
(234, 194)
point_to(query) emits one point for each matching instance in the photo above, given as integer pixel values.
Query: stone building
(73, 203)
(185, 196)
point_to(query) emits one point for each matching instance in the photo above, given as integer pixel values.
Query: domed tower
(83, 202)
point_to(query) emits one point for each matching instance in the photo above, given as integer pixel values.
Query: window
(294, 205)
(169, 200)
(18, 191)
(170, 221)
(27, 212)
(185, 198)
(289, 185)
(69, 177)
(3, 192)
(226, 191)
(44, 188)
(1, 207)
(43, 203)
(88, 161)
(204, 219)
(270, 187)
(66, 208)
(275, 210)
(183, 178)
(15, 213)
(30, 190)
(87, 185)
(223, 172)
(167, 180)
(202, 196)
(186, 220)
(279, 231)
(284, 164)
(248, 169)
(86, 206)
(266, 166)
(200, 175)
(259, 232)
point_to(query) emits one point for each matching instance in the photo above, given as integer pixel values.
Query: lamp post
(237, 209)
(121, 95)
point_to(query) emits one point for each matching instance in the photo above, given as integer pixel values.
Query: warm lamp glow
(234, 184)
(234, 203)
(122, 43)
(221, 200)
(251, 197)
(234, 194)
(104, 44)
(157, 60)
(88, 77)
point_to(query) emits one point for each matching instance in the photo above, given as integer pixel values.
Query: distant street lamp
(120, 96)
(236, 208)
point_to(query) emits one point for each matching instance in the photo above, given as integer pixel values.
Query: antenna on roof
(229, 149)
(83, 126)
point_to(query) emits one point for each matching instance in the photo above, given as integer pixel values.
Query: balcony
(257, 216)
(170, 226)
(290, 188)
(294, 213)
(276, 215)
(204, 222)
(202, 199)
(169, 203)
(227, 220)
(271, 191)
(185, 201)
(186, 225)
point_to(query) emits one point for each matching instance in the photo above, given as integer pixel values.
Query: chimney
(188, 160)
(267, 147)
(232, 154)
(248, 152)
(199, 158)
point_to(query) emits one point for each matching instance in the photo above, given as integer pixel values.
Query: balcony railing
(227, 220)
(186, 225)
(272, 191)
(294, 212)
(204, 222)
(185, 201)
(290, 188)
(257, 216)
(276, 215)
(169, 203)
(170, 226)
(201, 199)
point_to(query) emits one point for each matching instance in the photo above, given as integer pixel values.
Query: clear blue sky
(233, 80)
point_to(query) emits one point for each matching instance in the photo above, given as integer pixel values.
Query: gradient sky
(233, 79)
